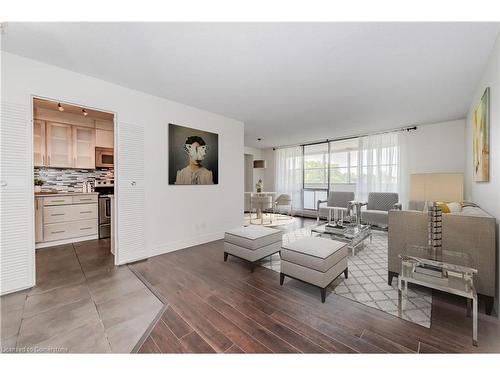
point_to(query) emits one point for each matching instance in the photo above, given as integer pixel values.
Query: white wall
(176, 216)
(487, 194)
(269, 177)
(432, 148)
(258, 173)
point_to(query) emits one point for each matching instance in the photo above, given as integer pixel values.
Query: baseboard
(41, 245)
(183, 244)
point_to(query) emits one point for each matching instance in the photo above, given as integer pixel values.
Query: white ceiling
(289, 82)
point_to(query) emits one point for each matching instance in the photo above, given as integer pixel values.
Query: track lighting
(84, 112)
(60, 107)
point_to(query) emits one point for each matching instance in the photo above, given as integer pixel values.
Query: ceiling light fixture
(84, 112)
(60, 107)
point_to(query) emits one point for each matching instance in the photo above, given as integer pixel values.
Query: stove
(105, 188)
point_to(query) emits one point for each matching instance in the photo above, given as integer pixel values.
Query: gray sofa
(471, 231)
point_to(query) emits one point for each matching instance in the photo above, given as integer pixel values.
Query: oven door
(104, 210)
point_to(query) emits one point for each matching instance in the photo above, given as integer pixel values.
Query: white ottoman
(252, 243)
(314, 260)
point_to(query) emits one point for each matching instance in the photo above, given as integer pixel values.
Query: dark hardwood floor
(220, 307)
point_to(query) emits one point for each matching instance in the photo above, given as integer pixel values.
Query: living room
(281, 187)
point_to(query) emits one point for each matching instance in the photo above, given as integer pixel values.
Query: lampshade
(445, 187)
(259, 163)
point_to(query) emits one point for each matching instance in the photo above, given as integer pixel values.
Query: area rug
(367, 282)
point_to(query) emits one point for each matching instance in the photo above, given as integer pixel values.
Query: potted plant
(38, 184)
(259, 185)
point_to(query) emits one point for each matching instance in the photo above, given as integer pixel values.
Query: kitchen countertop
(47, 194)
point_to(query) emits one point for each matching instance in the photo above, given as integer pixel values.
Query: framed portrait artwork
(481, 139)
(193, 156)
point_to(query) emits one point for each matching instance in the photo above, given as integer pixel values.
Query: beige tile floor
(82, 303)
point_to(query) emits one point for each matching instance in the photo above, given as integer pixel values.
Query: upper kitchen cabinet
(39, 154)
(84, 147)
(104, 134)
(59, 145)
(66, 135)
(104, 138)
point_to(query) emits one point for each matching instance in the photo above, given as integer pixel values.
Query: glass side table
(352, 234)
(444, 270)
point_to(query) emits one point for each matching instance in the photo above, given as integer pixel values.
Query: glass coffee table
(352, 234)
(443, 270)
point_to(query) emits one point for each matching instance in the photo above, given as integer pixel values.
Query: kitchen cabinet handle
(85, 212)
(58, 231)
(48, 158)
(57, 214)
(58, 200)
(85, 199)
(85, 228)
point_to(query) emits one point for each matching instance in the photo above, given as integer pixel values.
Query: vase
(259, 190)
(38, 189)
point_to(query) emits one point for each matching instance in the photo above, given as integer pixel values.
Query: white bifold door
(129, 184)
(17, 248)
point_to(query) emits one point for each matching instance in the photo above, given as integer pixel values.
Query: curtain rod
(347, 137)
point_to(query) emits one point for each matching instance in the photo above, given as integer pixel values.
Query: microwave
(104, 157)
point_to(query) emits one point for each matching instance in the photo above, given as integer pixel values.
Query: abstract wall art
(481, 139)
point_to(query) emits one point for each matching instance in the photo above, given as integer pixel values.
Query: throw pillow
(444, 207)
(454, 207)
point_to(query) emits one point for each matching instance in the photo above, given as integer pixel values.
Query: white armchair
(283, 201)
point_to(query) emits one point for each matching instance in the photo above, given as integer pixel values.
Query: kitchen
(73, 155)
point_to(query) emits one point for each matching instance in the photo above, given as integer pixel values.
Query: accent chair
(378, 207)
(337, 200)
(283, 203)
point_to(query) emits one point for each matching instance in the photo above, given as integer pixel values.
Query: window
(315, 174)
(378, 164)
(344, 161)
(316, 166)
(363, 165)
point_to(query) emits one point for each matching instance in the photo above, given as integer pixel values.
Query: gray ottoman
(314, 260)
(252, 243)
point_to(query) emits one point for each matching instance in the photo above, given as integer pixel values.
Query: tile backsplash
(70, 180)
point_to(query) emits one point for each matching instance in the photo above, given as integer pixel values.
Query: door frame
(32, 165)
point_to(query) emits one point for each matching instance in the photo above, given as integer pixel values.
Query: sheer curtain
(378, 164)
(289, 173)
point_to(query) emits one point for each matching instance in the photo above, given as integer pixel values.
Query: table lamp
(432, 188)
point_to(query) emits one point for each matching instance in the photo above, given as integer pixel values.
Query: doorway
(74, 185)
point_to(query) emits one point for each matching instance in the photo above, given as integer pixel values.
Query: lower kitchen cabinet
(73, 229)
(65, 219)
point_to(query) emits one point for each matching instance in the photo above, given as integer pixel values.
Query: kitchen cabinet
(38, 219)
(69, 146)
(104, 138)
(65, 219)
(39, 153)
(59, 145)
(84, 147)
